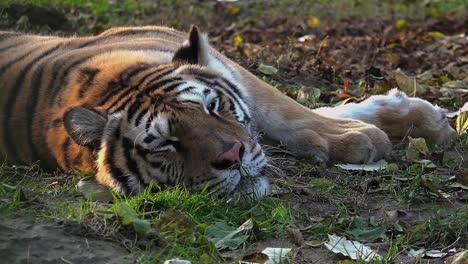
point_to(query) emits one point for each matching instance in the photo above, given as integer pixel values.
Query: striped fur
(130, 105)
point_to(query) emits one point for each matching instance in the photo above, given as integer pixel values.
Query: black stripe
(139, 117)
(185, 90)
(159, 84)
(65, 152)
(5, 67)
(256, 155)
(78, 160)
(155, 164)
(56, 122)
(89, 75)
(116, 86)
(15, 45)
(10, 102)
(228, 91)
(59, 81)
(132, 166)
(173, 86)
(115, 172)
(151, 88)
(31, 111)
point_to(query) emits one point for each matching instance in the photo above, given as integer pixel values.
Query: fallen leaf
(233, 10)
(309, 96)
(427, 163)
(225, 236)
(416, 147)
(462, 123)
(417, 253)
(307, 38)
(353, 249)
(361, 229)
(459, 258)
(127, 216)
(238, 40)
(435, 253)
(431, 188)
(314, 243)
(295, 235)
(141, 226)
(313, 21)
(276, 255)
(408, 84)
(377, 166)
(125, 212)
(174, 224)
(257, 257)
(401, 23)
(177, 261)
(94, 191)
(267, 69)
(462, 177)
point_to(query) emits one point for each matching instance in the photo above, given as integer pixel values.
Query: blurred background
(318, 52)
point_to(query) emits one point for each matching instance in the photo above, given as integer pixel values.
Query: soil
(27, 240)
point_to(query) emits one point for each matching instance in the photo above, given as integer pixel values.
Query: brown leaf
(295, 236)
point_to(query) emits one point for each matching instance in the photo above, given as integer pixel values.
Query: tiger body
(63, 73)
(143, 105)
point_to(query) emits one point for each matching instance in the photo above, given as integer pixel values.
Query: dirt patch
(25, 240)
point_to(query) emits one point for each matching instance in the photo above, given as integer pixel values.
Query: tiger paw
(346, 141)
(359, 143)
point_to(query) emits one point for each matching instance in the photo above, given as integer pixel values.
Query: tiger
(153, 107)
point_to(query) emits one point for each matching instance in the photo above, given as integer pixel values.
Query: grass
(270, 216)
(93, 16)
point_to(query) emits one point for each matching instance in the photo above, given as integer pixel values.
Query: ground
(320, 53)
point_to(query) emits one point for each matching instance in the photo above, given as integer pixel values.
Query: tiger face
(193, 128)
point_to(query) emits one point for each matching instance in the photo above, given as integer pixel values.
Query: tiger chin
(152, 106)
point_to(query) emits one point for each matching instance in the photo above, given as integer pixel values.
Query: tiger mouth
(248, 184)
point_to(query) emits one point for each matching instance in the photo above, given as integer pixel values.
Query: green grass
(95, 15)
(61, 202)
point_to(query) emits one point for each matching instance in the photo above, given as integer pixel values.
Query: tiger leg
(308, 134)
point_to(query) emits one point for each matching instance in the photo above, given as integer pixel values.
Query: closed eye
(213, 106)
(167, 146)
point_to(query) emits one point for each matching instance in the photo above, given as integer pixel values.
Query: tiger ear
(195, 50)
(85, 126)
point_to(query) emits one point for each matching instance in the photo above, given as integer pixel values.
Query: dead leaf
(459, 258)
(353, 249)
(257, 257)
(417, 253)
(267, 69)
(295, 236)
(276, 255)
(416, 147)
(408, 84)
(238, 40)
(177, 261)
(377, 166)
(313, 21)
(401, 23)
(462, 123)
(462, 177)
(314, 243)
(94, 191)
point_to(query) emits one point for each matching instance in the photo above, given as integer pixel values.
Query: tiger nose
(232, 152)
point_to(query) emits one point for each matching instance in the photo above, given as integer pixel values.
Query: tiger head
(194, 129)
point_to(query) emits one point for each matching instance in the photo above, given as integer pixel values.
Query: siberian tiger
(152, 105)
